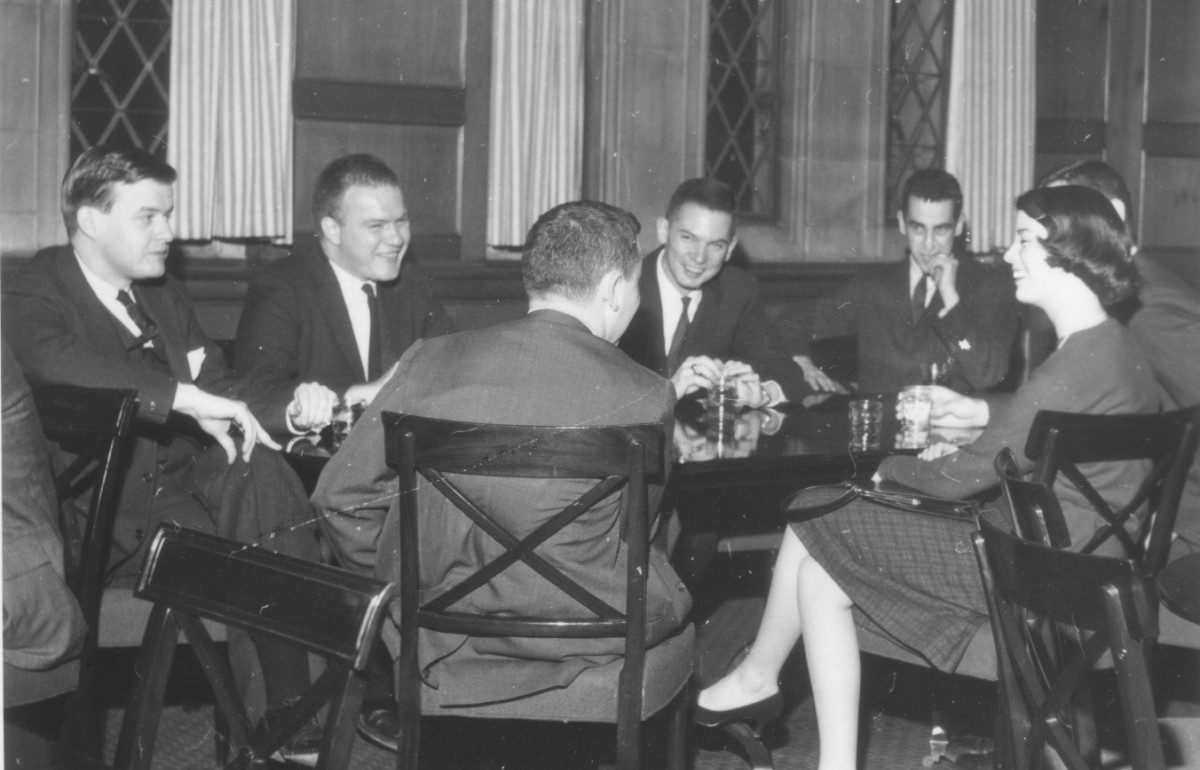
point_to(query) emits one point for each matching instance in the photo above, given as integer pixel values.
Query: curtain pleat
(536, 136)
(230, 125)
(990, 126)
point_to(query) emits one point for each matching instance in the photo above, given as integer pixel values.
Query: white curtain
(536, 137)
(230, 125)
(990, 126)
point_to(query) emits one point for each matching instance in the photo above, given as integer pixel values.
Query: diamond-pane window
(918, 89)
(742, 139)
(120, 74)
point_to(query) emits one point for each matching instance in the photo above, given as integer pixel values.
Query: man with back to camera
(103, 313)
(1166, 323)
(701, 320)
(558, 365)
(932, 308)
(341, 309)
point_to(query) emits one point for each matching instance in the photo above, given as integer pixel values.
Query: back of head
(1086, 238)
(348, 171)
(932, 184)
(708, 193)
(573, 245)
(97, 171)
(1095, 174)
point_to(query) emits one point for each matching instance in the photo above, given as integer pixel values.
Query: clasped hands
(313, 404)
(704, 373)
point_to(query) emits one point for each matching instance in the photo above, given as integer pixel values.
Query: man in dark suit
(931, 309)
(701, 320)
(558, 365)
(103, 313)
(343, 307)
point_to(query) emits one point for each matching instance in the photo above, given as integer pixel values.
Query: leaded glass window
(743, 104)
(918, 87)
(120, 74)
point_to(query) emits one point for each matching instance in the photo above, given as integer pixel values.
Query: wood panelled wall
(1120, 80)
(407, 80)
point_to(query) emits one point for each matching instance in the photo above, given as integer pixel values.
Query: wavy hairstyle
(1086, 238)
(97, 171)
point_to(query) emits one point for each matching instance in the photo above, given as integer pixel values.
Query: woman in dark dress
(913, 578)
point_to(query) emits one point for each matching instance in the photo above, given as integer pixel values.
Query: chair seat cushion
(592, 697)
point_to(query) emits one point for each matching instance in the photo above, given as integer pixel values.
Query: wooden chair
(190, 575)
(627, 691)
(1103, 603)
(1060, 442)
(90, 426)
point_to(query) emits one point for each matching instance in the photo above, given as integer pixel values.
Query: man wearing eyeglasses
(103, 313)
(933, 309)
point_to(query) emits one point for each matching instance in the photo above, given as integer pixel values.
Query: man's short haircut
(1085, 237)
(1097, 175)
(573, 245)
(932, 184)
(708, 193)
(348, 171)
(97, 171)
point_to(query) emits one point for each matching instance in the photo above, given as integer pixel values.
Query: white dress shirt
(359, 310)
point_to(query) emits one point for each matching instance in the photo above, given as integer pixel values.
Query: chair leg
(677, 728)
(135, 747)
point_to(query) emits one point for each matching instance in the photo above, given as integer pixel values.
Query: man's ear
(959, 225)
(331, 230)
(607, 290)
(664, 227)
(903, 224)
(87, 220)
(732, 246)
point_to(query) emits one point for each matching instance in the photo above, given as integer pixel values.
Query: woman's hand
(954, 410)
(936, 450)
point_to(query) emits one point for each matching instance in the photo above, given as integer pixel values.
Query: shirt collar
(101, 287)
(347, 280)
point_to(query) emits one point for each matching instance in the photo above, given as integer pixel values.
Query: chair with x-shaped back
(619, 459)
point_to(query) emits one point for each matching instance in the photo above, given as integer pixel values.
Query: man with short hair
(1166, 323)
(701, 320)
(103, 313)
(558, 365)
(931, 309)
(343, 307)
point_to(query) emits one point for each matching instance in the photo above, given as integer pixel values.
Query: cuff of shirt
(775, 391)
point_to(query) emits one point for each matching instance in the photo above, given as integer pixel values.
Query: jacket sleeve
(267, 349)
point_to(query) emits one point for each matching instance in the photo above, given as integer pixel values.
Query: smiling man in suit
(930, 308)
(103, 313)
(701, 319)
(343, 307)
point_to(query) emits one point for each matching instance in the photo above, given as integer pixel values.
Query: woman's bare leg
(834, 666)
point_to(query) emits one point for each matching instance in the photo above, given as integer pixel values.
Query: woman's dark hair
(1086, 238)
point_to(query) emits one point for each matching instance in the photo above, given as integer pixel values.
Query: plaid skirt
(912, 577)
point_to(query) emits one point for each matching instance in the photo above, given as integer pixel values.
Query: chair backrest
(1061, 442)
(91, 426)
(1104, 605)
(1033, 505)
(618, 458)
(191, 575)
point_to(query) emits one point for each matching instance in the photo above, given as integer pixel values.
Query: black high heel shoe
(756, 714)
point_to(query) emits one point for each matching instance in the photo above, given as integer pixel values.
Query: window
(743, 102)
(120, 74)
(918, 86)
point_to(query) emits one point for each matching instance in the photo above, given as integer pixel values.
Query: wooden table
(1179, 587)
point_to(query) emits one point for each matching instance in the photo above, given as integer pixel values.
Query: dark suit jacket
(295, 328)
(543, 369)
(61, 333)
(1167, 327)
(976, 337)
(730, 324)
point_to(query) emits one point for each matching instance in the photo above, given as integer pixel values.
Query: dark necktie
(374, 362)
(918, 298)
(681, 330)
(145, 324)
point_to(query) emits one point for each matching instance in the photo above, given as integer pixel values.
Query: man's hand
(312, 407)
(817, 379)
(366, 392)
(217, 415)
(696, 373)
(954, 410)
(944, 269)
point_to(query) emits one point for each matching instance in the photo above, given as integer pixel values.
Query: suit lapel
(651, 307)
(333, 307)
(99, 324)
(170, 329)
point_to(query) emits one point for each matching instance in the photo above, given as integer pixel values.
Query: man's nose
(391, 235)
(165, 231)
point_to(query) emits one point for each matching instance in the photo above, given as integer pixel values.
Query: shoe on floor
(302, 747)
(379, 722)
